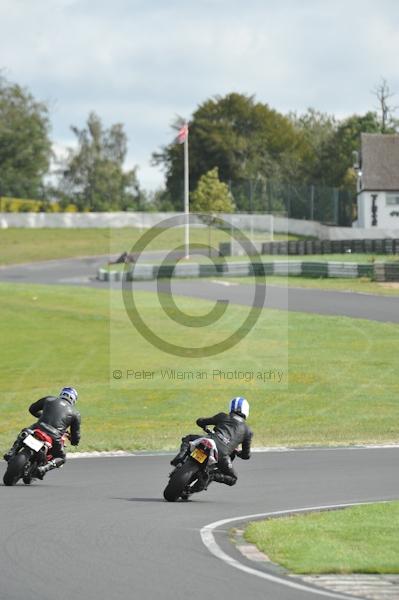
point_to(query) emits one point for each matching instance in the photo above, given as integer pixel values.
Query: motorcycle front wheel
(15, 468)
(179, 479)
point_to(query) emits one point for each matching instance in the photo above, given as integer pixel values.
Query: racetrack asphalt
(99, 528)
(82, 271)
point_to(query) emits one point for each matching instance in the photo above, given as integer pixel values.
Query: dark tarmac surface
(82, 271)
(99, 527)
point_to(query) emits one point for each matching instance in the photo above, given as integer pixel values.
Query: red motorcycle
(35, 451)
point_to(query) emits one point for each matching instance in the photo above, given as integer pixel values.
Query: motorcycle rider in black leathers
(230, 431)
(55, 414)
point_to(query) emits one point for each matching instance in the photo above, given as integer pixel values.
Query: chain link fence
(316, 203)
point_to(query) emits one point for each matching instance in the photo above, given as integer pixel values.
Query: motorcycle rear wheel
(179, 479)
(15, 468)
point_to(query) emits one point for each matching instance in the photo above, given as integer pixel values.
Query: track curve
(82, 272)
(99, 527)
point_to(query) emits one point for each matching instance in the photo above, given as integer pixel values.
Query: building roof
(380, 161)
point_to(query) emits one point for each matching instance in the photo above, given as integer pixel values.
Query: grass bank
(361, 285)
(342, 385)
(362, 539)
(26, 245)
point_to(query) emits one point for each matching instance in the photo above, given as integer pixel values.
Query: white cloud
(142, 62)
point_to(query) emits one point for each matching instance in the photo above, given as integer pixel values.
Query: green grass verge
(343, 383)
(28, 245)
(362, 539)
(362, 285)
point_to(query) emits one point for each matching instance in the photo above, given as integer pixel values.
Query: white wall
(144, 220)
(384, 219)
(361, 233)
(122, 219)
(323, 232)
(300, 227)
(363, 210)
(80, 220)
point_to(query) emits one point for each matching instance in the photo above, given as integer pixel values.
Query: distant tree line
(233, 140)
(250, 142)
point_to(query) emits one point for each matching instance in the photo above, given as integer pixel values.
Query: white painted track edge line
(271, 449)
(208, 539)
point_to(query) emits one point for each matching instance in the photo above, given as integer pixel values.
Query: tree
(335, 165)
(211, 195)
(93, 176)
(317, 129)
(330, 144)
(388, 123)
(336, 154)
(243, 138)
(25, 147)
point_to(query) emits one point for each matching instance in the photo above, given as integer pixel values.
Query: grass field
(362, 285)
(26, 245)
(343, 384)
(362, 539)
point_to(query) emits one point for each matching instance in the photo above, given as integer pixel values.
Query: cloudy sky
(142, 62)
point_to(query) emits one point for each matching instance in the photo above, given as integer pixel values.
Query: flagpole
(186, 200)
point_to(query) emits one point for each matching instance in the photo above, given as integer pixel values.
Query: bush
(19, 205)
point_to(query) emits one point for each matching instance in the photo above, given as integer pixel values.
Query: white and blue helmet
(69, 394)
(239, 405)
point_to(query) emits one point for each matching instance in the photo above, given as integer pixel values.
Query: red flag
(182, 134)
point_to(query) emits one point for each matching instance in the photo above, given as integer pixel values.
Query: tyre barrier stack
(386, 271)
(302, 247)
(147, 272)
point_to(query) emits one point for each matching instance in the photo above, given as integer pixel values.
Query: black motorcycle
(34, 452)
(195, 472)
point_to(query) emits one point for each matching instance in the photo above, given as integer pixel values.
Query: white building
(378, 181)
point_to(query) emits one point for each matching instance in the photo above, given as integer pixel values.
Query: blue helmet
(239, 405)
(69, 394)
